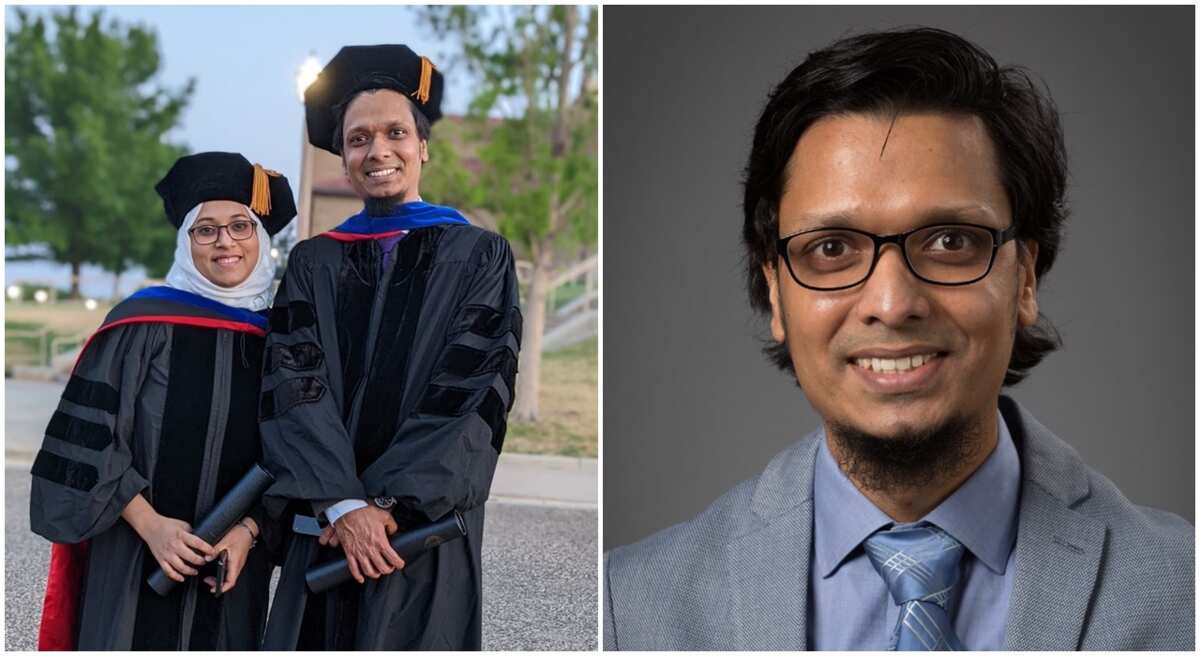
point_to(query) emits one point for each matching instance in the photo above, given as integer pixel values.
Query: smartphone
(222, 563)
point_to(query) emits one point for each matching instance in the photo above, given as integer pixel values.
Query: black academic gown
(162, 402)
(390, 377)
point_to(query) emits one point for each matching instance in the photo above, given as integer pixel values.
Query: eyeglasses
(208, 234)
(829, 259)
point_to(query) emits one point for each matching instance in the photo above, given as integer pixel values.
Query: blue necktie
(920, 563)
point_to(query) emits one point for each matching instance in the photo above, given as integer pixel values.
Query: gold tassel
(422, 92)
(260, 195)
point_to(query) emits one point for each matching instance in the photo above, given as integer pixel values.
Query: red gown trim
(352, 236)
(59, 630)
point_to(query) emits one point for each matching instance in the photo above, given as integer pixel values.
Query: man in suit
(903, 199)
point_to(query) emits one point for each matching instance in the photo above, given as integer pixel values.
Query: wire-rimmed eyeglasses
(829, 259)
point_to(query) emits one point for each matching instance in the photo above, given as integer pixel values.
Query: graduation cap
(226, 176)
(358, 68)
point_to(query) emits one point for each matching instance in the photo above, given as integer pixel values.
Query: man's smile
(382, 173)
(904, 374)
(894, 365)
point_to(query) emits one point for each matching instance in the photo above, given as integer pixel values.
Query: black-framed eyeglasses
(208, 234)
(829, 259)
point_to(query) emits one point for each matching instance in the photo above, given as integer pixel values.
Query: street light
(90, 304)
(307, 74)
(41, 296)
(14, 292)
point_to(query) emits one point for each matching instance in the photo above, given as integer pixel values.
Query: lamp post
(305, 75)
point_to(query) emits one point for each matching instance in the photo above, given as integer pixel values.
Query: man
(387, 379)
(903, 199)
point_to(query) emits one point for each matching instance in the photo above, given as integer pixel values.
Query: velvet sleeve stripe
(293, 316)
(487, 322)
(57, 469)
(288, 394)
(449, 401)
(304, 356)
(81, 432)
(463, 361)
(92, 394)
(494, 413)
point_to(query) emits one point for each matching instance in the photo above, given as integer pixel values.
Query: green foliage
(535, 66)
(85, 138)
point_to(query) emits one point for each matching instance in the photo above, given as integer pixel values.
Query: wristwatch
(385, 503)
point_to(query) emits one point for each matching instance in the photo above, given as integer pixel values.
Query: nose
(892, 296)
(377, 148)
(224, 239)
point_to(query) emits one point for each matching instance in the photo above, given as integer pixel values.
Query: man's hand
(363, 534)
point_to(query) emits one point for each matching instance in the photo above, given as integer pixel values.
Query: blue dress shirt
(849, 607)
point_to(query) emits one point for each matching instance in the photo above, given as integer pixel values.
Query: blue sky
(244, 61)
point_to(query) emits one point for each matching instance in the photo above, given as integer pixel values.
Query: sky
(245, 61)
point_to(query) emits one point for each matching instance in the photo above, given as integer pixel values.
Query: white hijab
(254, 293)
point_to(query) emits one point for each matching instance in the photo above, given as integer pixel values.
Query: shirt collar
(982, 512)
(844, 517)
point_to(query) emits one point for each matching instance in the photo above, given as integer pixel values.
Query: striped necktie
(920, 563)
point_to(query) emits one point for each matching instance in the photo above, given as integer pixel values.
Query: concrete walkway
(520, 478)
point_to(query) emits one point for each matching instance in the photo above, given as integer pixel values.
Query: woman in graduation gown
(157, 422)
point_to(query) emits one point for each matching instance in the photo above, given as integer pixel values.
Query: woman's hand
(169, 540)
(237, 542)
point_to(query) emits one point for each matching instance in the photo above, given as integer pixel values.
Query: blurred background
(100, 101)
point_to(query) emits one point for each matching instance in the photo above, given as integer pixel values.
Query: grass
(567, 293)
(570, 420)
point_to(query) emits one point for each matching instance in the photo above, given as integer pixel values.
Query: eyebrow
(952, 214)
(360, 127)
(232, 217)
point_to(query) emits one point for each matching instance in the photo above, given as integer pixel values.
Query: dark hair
(921, 69)
(370, 84)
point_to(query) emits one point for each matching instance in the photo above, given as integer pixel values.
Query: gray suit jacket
(1093, 571)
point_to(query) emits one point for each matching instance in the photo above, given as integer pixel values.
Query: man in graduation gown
(387, 379)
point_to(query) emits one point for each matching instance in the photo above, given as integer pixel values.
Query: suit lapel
(1058, 550)
(769, 564)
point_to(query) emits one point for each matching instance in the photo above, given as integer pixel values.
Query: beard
(907, 459)
(383, 206)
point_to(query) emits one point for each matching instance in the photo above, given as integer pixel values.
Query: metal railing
(48, 346)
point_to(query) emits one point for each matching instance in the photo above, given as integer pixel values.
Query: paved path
(539, 480)
(539, 581)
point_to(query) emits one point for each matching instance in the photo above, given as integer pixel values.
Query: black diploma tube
(410, 544)
(221, 518)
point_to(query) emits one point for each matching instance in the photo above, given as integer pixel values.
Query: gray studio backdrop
(690, 405)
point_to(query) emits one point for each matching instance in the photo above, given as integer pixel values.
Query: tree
(535, 67)
(85, 141)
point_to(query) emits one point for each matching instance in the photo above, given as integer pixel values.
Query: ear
(424, 151)
(772, 276)
(1027, 304)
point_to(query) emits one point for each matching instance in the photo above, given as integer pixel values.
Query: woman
(157, 423)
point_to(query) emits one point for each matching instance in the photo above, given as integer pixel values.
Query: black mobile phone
(222, 562)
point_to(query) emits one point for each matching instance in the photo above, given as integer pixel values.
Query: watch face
(385, 502)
